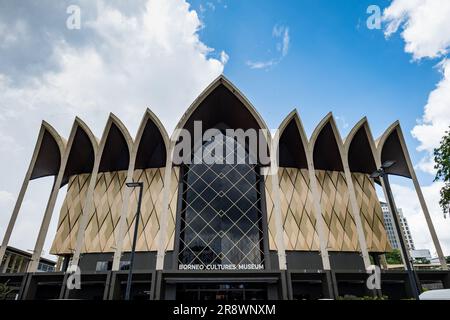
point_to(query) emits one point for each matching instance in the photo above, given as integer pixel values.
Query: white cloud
(281, 33)
(436, 119)
(261, 64)
(426, 26)
(224, 57)
(11, 35)
(406, 198)
(426, 32)
(151, 58)
(6, 197)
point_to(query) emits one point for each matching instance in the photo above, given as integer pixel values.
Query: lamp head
(377, 174)
(388, 164)
(134, 184)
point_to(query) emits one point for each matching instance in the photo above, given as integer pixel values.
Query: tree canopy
(442, 165)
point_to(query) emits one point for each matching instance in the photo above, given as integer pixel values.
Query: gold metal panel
(71, 210)
(151, 210)
(335, 203)
(371, 213)
(296, 199)
(102, 229)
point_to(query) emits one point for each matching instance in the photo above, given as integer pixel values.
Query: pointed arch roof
(81, 148)
(293, 143)
(151, 143)
(231, 110)
(115, 146)
(360, 148)
(326, 145)
(50, 152)
(390, 146)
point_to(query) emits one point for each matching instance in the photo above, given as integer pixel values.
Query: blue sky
(313, 55)
(335, 63)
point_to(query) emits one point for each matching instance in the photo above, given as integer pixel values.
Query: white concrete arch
(149, 116)
(343, 159)
(404, 167)
(45, 161)
(89, 201)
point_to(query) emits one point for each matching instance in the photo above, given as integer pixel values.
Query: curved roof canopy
(390, 148)
(326, 151)
(360, 153)
(291, 144)
(82, 152)
(116, 151)
(151, 143)
(222, 106)
(49, 155)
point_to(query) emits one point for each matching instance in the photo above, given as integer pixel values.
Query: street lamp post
(381, 173)
(139, 185)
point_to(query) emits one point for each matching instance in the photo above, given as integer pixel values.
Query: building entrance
(221, 292)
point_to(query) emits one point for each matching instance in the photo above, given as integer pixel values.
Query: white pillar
(165, 211)
(423, 204)
(23, 189)
(320, 223)
(356, 212)
(123, 216)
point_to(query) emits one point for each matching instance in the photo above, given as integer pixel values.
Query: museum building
(305, 225)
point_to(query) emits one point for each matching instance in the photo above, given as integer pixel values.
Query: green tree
(394, 257)
(4, 290)
(422, 261)
(442, 160)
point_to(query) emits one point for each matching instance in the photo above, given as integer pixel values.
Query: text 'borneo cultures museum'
(307, 225)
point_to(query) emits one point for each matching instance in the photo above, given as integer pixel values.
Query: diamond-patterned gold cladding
(71, 210)
(371, 213)
(151, 210)
(296, 209)
(335, 203)
(102, 229)
(296, 200)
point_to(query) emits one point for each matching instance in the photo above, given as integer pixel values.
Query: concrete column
(356, 212)
(13, 263)
(423, 204)
(5, 266)
(395, 232)
(123, 215)
(277, 204)
(426, 213)
(32, 266)
(87, 208)
(58, 263)
(23, 189)
(433, 233)
(165, 211)
(320, 224)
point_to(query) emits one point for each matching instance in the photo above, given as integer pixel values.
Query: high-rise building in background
(390, 227)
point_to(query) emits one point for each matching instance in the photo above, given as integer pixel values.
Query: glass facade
(221, 218)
